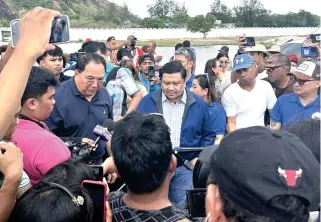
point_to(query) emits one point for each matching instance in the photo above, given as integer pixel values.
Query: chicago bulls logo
(290, 175)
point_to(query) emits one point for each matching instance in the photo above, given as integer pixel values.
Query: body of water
(203, 53)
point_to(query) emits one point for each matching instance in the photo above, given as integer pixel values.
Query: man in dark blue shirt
(82, 103)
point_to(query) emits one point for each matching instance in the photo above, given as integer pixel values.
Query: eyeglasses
(224, 62)
(271, 69)
(301, 82)
(90, 80)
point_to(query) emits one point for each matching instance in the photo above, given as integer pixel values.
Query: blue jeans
(181, 181)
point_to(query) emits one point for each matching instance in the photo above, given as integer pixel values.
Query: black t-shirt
(63, 78)
(125, 51)
(121, 212)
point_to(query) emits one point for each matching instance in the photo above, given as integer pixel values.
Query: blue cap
(242, 61)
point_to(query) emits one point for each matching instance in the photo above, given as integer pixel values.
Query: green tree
(221, 12)
(161, 9)
(251, 14)
(201, 23)
(179, 14)
(152, 23)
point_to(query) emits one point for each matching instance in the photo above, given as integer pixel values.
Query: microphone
(102, 131)
(187, 164)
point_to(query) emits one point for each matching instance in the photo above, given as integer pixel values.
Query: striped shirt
(173, 115)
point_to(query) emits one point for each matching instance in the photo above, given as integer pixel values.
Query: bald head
(281, 59)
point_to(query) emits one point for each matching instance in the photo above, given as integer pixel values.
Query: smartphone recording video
(60, 30)
(309, 52)
(98, 171)
(250, 41)
(97, 192)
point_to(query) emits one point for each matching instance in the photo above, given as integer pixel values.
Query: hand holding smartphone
(97, 191)
(60, 29)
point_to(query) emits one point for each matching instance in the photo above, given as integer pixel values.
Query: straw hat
(275, 49)
(257, 48)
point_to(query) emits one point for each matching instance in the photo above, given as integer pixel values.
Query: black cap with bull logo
(255, 164)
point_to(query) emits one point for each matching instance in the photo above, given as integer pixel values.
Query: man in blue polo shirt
(188, 118)
(304, 103)
(82, 103)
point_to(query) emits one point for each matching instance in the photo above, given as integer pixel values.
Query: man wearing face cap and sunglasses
(304, 103)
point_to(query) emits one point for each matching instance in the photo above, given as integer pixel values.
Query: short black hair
(111, 38)
(142, 150)
(3, 48)
(93, 47)
(187, 43)
(174, 67)
(178, 45)
(309, 132)
(39, 81)
(291, 206)
(55, 52)
(85, 59)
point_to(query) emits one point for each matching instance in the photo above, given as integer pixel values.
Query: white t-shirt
(248, 107)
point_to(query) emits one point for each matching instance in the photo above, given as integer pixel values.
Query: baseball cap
(293, 58)
(146, 57)
(254, 164)
(242, 61)
(130, 37)
(307, 70)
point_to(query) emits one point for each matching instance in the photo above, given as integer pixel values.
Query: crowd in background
(256, 113)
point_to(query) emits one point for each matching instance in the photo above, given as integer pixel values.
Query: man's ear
(31, 103)
(41, 63)
(173, 165)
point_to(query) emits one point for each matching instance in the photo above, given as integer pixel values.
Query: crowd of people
(256, 115)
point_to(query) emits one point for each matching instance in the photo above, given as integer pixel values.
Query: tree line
(250, 13)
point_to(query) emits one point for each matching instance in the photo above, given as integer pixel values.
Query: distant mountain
(82, 13)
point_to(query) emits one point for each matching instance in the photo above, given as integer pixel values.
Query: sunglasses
(205, 74)
(301, 82)
(271, 69)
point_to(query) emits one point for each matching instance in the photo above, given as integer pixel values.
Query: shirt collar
(295, 99)
(143, 80)
(74, 88)
(183, 99)
(191, 78)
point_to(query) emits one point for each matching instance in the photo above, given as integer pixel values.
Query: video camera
(201, 171)
(79, 152)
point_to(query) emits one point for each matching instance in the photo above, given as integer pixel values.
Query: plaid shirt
(173, 115)
(121, 212)
(124, 82)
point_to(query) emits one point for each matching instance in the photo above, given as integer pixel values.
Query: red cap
(293, 58)
(88, 40)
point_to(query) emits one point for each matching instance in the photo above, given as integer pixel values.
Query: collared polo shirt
(42, 150)
(289, 110)
(218, 118)
(75, 116)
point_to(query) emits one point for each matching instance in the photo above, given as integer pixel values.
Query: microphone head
(109, 124)
(102, 132)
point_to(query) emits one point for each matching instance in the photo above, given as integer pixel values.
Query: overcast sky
(196, 7)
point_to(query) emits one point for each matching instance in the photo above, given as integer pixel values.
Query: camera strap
(36, 122)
